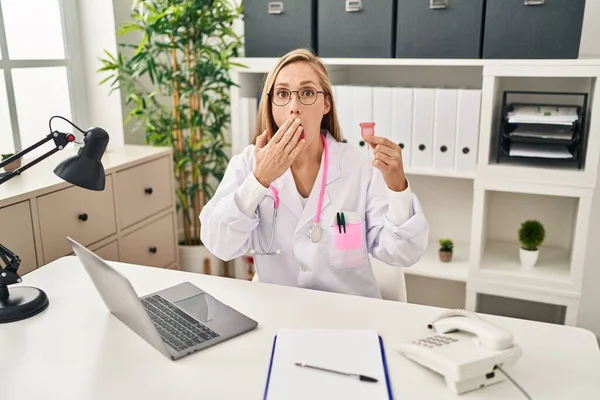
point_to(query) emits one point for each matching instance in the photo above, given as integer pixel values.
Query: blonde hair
(265, 119)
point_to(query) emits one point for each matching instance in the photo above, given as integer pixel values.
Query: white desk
(77, 350)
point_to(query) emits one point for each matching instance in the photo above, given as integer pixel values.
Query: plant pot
(528, 257)
(199, 260)
(12, 166)
(445, 256)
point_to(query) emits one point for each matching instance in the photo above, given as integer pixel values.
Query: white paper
(541, 132)
(354, 351)
(558, 115)
(534, 150)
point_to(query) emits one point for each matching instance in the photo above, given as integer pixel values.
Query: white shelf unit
(481, 210)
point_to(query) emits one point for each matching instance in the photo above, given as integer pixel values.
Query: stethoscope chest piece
(315, 234)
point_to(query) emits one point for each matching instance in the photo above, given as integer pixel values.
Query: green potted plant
(175, 82)
(531, 236)
(446, 250)
(12, 165)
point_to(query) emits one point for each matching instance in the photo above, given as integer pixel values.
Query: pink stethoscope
(315, 233)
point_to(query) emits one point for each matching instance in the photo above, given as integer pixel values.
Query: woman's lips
(301, 136)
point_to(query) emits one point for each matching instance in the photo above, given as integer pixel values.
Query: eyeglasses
(307, 96)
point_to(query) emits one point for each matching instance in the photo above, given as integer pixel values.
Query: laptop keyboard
(177, 329)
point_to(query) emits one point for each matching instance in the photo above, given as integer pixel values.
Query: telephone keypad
(435, 341)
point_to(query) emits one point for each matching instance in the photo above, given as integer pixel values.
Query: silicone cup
(367, 129)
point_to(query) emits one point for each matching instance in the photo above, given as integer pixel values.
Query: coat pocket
(348, 248)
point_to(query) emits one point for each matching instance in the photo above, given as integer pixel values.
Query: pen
(339, 222)
(343, 222)
(361, 377)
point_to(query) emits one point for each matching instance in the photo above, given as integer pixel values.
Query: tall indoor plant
(175, 81)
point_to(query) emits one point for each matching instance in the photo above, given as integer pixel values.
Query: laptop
(177, 321)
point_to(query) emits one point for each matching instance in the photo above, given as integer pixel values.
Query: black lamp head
(85, 169)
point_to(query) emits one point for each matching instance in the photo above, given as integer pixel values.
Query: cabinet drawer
(87, 216)
(108, 252)
(450, 31)
(143, 190)
(524, 29)
(152, 245)
(17, 234)
(355, 29)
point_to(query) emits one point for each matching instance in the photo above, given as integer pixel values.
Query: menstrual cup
(367, 129)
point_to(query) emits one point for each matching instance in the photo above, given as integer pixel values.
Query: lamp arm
(60, 141)
(8, 272)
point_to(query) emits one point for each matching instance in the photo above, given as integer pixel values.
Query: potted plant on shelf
(175, 82)
(12, 165)
(446, 250)
(531, 236)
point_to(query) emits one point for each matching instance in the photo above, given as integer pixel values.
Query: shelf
(501, 263)
(264, 64)
(430, 265)
(440, 173)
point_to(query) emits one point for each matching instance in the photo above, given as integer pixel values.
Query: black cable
(515, 383)
(66, 120)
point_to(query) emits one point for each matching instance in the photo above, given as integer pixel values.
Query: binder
(444, 129)
(362, 111)
(467, 129)
(423, 117)
(354, 351)
(344, 99)
(382, 111)
(402, 121)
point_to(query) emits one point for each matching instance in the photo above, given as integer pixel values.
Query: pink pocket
(351, 239)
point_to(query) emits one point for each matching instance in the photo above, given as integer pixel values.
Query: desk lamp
(84, 170)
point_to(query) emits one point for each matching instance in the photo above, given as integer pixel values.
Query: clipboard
(353, 351)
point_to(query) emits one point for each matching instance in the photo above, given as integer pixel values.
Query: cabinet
(479, 203)
(132, 220)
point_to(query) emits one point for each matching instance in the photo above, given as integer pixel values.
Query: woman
(313, 208)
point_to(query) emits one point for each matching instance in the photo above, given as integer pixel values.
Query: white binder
(382, 111)
(362, 111)
(467, 129)
(344, 98)
(402, 121)
(423, 121)
(444, 128)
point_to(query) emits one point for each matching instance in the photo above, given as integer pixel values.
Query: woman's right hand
(272, 159)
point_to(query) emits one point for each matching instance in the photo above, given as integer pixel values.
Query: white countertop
(77, 350)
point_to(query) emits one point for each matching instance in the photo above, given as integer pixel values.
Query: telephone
(467, 350)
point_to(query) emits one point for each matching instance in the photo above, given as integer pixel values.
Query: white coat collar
(288, 193)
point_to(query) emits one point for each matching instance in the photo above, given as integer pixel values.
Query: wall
(96, 33)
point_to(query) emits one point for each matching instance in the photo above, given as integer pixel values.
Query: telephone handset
(465, 349)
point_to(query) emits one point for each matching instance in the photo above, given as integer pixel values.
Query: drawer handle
(153, 250)
(534, 2)
(443, 149)
(421, 147)
(439, 4)
(275, 7)
(465, 150)
(83, 217)
(401, 145)
(148, 190)
(353, 5)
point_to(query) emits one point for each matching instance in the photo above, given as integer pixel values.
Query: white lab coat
(336, 263)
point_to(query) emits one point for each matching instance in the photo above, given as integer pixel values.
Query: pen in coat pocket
(339, 222)
(343, 222)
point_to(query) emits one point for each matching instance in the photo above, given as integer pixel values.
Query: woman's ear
(327, 105)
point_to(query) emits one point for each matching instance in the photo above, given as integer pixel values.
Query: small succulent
(446, 245)
(531, 234)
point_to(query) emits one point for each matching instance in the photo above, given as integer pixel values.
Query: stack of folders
(541, 133)
(437, 128)
(327, 364)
